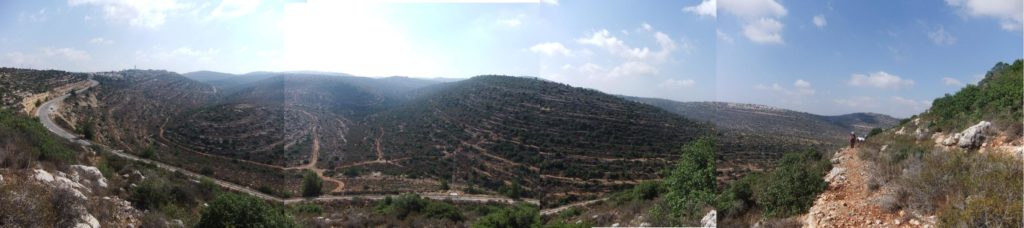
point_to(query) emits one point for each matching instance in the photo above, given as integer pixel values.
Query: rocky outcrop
(81, 180)
(974, 136)
(709, 219)
(951, 140)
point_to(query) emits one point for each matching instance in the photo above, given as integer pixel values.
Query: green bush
(647, 190)
(874, 131)
(518, 215)
(690, 185)
(409, 204)
(792, 187)
(234, 210)
(311, 185)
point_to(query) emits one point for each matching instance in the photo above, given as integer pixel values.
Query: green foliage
(151, 193)
(792, 187)
(997, 96)
(311, 185)
(149, 152)
(738, 197)
(512, 190)
(411, 204)
(518, 215)
(234, 210)
(27, 141)
(874, 131)
(351, 172)
(691, 184)
(88, 130)
(647, 190)
(444, 184)
(307, 208)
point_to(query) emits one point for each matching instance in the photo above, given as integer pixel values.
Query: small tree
(690, 185)
(233, 210)
(311, 185)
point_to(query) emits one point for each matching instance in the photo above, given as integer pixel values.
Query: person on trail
(853, 139)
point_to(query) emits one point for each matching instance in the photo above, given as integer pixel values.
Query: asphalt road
(44, 114)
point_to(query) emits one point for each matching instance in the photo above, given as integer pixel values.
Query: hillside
(206, 76)
(958, 164)
(499, 132)
(767, 120)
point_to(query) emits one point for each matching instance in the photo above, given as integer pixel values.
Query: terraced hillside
(499, 132)
(761, 119)
(756, 136)
(23, 88)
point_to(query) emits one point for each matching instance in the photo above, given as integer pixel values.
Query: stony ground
(847, 202)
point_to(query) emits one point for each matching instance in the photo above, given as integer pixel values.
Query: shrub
(234, 210)
(518, 215)
(690, 185)
(874, 131)
(411, 204)
(311, 184)
(647, 190)
(792, 187)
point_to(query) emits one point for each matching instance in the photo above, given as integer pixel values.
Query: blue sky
(825, 57)
(834, 57)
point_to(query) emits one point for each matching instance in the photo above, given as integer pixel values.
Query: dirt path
(380, 151)
(848, 203)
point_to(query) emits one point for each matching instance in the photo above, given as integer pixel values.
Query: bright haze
(822, 57)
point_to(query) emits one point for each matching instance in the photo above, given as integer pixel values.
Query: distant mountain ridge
(763, 119)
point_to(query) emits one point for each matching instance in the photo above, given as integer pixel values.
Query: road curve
(44, 113)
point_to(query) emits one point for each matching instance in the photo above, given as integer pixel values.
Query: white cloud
(819, 20)
(895, 105)
(707, 8)
(101, 40)
(1008, 12)
(591, 69)
(858, 102)
(38, 16)
(764, 31)
(50, 58)
(723, 37)
(550, 48)
(800, 88)
(951, 81)
(646, 27)
(149, 14)
(674, 83)
(941, 37)
(632, 69)
(753, 9)
(234, 8)
(550, 2)
(760, 19)
(515, 22)
(614, 45)
(912, 105)
(67, 53)
(879, 79)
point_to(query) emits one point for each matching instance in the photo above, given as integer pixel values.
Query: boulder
(835, 174)
(951, 140)
(974, 136)
(43, 176)
(709, 219)
(90, 175)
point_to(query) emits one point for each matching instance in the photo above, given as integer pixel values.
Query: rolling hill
(762, 119)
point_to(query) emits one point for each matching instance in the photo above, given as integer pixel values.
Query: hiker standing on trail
(853, 139)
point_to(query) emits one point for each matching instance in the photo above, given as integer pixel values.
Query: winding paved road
(44, 114)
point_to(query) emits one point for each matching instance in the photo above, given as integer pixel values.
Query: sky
(823, 57)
